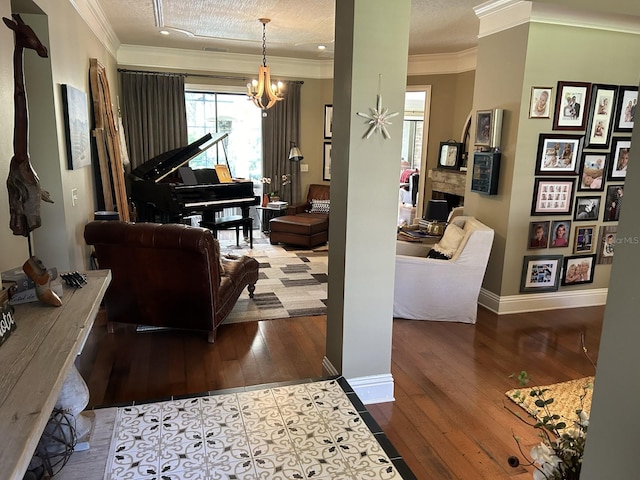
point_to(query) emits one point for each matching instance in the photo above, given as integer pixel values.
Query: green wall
(509, 64)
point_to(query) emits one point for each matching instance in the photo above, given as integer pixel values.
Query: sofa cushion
(319, 206)
(450, 241)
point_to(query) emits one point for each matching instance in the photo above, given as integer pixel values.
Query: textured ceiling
(295, 30)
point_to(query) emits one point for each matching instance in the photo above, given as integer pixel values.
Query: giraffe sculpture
(23, 183)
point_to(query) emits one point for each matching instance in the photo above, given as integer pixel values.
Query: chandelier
(264, 93)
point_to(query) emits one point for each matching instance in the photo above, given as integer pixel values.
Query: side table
(269, 213)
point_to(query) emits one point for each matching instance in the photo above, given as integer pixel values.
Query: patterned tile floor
(312, 430)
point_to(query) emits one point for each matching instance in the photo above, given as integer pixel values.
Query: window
(232, 113)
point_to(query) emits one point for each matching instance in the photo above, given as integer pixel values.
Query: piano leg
(245, 227)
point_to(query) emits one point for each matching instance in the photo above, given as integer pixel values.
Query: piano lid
(166, 163)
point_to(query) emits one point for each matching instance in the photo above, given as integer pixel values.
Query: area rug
(292, 282)
(566, 397)
(313, 429)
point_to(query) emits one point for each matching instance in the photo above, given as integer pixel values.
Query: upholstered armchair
(168, 275)
(445, 290)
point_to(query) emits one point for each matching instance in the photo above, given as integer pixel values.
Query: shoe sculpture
(37, 272)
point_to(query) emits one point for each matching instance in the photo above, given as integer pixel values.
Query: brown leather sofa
(300, 226)
(168, 275)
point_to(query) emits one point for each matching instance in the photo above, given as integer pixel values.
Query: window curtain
(153, 114)
(280, 127)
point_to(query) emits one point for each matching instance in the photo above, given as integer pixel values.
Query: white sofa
(444, 290)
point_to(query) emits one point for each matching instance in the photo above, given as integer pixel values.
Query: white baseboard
(374, 388)
(534, 302)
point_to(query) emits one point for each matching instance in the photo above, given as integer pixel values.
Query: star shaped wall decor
(378, 119)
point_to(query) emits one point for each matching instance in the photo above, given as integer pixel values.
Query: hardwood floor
(448, 420)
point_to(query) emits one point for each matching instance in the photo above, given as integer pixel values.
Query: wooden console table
(34, 362)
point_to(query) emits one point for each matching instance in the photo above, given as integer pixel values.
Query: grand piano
(164, 190)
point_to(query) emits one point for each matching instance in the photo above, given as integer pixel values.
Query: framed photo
(540, 102)
(76, 125)
(626, 108)
(584, 237)
(540, 273)
(601, 115)
(587, 208)
(328, 121)
(538, 235)
(450, 155)
(620, 147)
(560, 233)
(613, 203)
(558, 154)
(592, 171)
(488, 127)
(326, 162)
(606, 244)
(552, 196)
(578, 269)
(572, 100)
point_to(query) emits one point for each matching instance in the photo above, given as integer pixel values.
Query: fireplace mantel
(448, 181)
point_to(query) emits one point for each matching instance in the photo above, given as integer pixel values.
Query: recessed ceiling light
(321, 47)
(164, 32)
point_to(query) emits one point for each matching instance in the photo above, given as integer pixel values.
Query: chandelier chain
(264, 44)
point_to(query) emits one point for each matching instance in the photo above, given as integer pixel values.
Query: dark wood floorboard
(448, 420)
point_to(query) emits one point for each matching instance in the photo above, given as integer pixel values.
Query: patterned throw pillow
(320, 206)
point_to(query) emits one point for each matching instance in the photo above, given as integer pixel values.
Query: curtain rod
(183, 74)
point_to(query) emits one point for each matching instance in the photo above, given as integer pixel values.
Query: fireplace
(448, 185)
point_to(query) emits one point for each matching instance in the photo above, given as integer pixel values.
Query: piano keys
(162, 194)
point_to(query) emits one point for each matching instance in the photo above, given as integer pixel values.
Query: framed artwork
(584, 237)
(558, 154)
(552, 196)
(76, 125)
(578, 269)
(620, 147)
(450, 155)
(328, 121)
(540, 102)
(601, 115)
(592, 171)
(613, 203)
(540, 273)
(587, 208)
(606, 244)
(571, 102)
(625, 108)
(488, 127)
(538, 235)
(326, 162)
(483, 127)
(560, 233)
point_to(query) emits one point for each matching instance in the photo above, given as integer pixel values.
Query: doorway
(415, 135)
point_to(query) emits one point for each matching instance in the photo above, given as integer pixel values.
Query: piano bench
(237, 221)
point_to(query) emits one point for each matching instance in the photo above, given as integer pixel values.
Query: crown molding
(442, 63)
(498, 15)
(222, 62)
(93, 15)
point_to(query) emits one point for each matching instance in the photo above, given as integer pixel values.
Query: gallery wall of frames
(579, 176)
